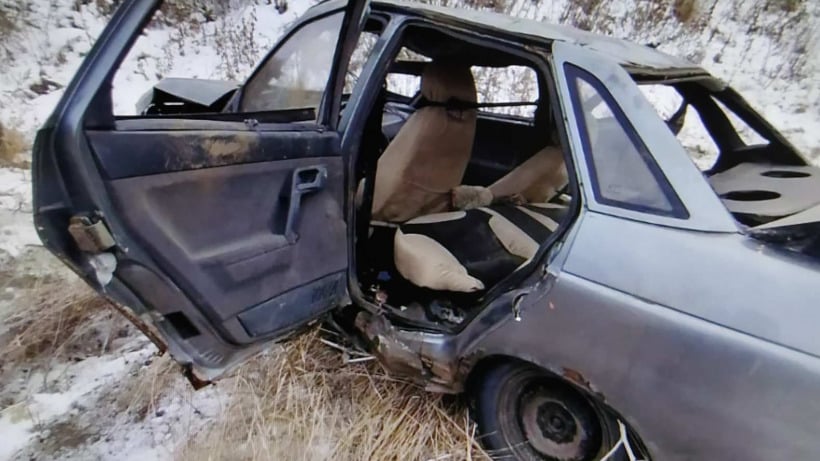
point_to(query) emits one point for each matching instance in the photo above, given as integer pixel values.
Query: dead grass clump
(65, 435)
(10, 14)
(56, 319)
(304, 403)
(789, 6)
(144, 389)
(495, 5)
(12, 144)
(684, 10)
(7, 26)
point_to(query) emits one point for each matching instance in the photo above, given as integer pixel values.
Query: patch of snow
(16, 227)
(65, 386)
(15, 425)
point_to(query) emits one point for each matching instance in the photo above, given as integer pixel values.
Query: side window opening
(364, 48)
(747, 134)
(691, 132)
(510, 84)
(187, 68)
(296, 75)
(624, 174)
(288, 86)
(715, 136)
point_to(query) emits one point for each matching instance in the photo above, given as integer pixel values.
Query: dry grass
(9, 18)
(13, 143)
(684, 11)
(142, 392)
(304, 404)
(56, 319)
(300, 402)
(789, 6)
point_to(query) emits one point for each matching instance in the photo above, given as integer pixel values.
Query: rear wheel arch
(487, 364)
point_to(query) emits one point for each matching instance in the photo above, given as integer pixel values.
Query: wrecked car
(558, 257)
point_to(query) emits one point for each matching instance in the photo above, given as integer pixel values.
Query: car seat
(466, 251)
(429, 155)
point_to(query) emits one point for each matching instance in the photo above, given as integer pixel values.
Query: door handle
(303, 181)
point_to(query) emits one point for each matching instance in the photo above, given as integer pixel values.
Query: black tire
(526, 414)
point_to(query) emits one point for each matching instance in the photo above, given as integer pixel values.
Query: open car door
(219, 232)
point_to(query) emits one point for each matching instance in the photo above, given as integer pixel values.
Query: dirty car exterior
(699, 337)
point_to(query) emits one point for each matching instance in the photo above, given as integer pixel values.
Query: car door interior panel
(122, 154)
(225, 230)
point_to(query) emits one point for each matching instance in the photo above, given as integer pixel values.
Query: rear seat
(466, 251)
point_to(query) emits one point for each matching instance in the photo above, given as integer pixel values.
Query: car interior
(455, 195)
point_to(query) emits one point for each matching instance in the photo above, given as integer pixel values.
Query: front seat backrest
(536, 180)
(428, 156)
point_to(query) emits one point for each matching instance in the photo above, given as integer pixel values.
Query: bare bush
(12, 17)
(7, 24)
(13, 143)
(241, 49)
(684, 10)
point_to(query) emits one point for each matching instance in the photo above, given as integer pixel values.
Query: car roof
(635, 57)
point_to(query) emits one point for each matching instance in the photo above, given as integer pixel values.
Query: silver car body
(703, 338)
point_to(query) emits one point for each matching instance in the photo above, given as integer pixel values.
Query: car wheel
(524, 413)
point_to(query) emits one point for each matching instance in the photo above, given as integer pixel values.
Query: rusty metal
(407, 354)
(196, 381)
(144, 327)
(90, 236)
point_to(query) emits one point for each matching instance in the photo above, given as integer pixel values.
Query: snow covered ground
(68, 408)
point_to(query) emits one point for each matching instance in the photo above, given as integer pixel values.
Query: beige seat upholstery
(536, 180)
(469, 251)
(430, 153)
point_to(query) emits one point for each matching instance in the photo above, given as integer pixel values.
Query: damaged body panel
(186, 95)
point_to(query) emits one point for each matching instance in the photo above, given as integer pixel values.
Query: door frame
(353, 126)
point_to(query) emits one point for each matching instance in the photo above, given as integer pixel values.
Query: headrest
(443, 82)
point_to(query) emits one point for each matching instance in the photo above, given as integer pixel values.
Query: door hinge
(91, 236)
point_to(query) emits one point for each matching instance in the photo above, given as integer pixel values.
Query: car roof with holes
(635, 57)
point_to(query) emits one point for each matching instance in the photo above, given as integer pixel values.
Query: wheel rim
(559, 425)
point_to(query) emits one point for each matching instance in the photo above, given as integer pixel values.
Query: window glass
(693, 135)
(295, 77)
(623, 172)
(507, 84)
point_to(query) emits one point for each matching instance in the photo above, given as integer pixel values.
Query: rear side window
(623, 172)
(517, 85)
